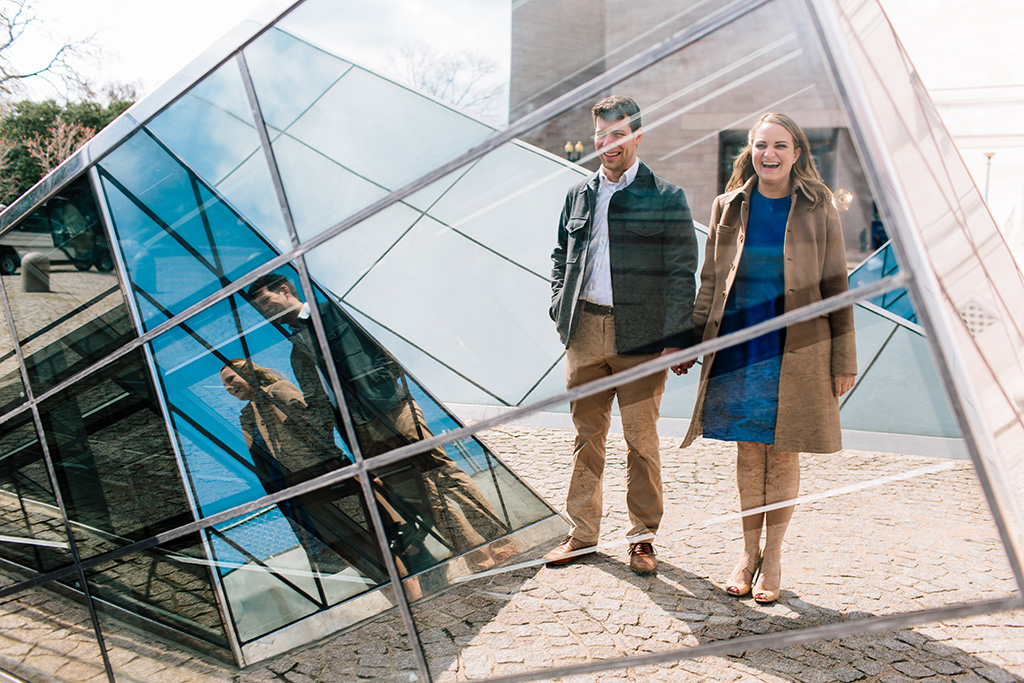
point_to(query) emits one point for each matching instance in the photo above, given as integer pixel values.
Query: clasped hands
(681, 368)
(841, 383)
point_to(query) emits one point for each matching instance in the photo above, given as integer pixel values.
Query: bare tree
(61, 140)
(469, 80)
(18, 18)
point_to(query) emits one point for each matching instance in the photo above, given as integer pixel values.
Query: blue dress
(742, 396)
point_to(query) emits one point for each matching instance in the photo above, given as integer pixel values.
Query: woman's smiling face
(236, 385)
(773, 155)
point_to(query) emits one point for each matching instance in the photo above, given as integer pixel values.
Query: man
(622, 293)
(384, 416)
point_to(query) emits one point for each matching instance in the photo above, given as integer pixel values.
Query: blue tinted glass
(211, 130)
(165, 214)
(882, 264)
(289, 75)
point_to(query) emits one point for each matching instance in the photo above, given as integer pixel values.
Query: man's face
(278, 302)
(616, 144)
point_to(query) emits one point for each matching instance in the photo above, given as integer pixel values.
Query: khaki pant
(591, 355)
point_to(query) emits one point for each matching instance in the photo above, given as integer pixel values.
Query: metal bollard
(35, 272)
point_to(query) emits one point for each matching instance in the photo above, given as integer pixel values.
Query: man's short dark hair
(272, 281)
(616, 108)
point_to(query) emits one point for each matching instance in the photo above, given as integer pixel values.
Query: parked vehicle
(63, 224)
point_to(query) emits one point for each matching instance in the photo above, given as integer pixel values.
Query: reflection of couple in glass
(287, 448)
(427, 494)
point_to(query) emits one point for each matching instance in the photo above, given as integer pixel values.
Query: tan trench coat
(816, 349)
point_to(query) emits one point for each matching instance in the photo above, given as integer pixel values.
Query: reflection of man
(383, 413)
(622, 293)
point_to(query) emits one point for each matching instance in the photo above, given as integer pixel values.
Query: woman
(273, 420)
(774, 245)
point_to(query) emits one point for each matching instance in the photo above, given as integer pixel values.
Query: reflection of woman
(774, 245)
(272, 418)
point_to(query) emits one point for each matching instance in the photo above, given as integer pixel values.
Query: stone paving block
(943, 666)
(868, 666)
(845, 674)
(812, 675)
(894, 677)
(968, 678)
(885, 655)
(996, 675)
(913, 669)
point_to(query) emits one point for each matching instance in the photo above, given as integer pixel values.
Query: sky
(968, 53)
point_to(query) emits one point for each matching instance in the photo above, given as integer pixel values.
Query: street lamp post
(988, 172)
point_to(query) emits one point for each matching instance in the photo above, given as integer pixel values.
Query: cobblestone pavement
(907, 545)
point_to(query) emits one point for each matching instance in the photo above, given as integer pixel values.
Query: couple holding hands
(623, 293)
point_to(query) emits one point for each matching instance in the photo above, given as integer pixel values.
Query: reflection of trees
(469, 80)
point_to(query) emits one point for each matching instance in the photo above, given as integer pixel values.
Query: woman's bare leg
(751, 463)
(782, 483)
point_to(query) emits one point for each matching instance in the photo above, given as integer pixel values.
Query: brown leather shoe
(567, 552)
(641, 558)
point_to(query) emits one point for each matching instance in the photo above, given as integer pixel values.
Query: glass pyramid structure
(293, 379)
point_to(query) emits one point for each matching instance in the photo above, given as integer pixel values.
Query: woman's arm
(834, 280)
(706, 293)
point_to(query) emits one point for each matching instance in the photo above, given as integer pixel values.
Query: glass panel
(72, 313)
(513, 331)
(979, 281)
(456, 50)
(333, 158)
(919, 407)
(12, 390)
(163, 213)
(32, 528)
(210, 131)
(171, 586)
(882, 264)
(453, 499)
(120, 482)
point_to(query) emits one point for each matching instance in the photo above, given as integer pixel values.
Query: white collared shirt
(597, 278)
(304, 314)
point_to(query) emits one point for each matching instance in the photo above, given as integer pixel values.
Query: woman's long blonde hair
(248, 370)
(803, 170)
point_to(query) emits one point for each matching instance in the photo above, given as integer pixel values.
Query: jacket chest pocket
(645, 228)
(577, 230)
